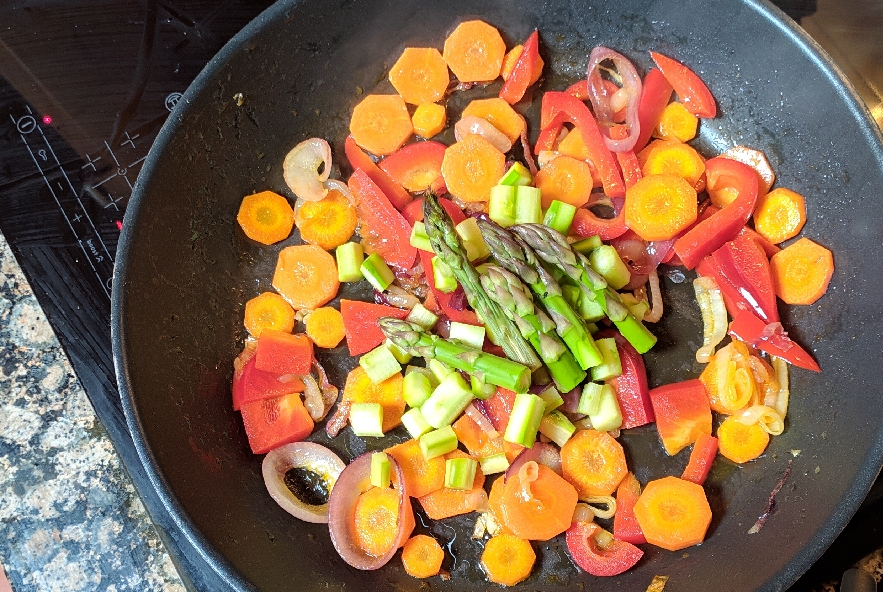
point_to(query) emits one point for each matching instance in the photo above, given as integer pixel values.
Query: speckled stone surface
(69, 516)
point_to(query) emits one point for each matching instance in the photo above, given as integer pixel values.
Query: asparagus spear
(490, 368)
(446, 244)
(535, 326)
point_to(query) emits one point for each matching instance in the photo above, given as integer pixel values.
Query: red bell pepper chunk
(691, 90)
(499, 408)
(416, 166)
(549, 133)
(273, 422)
(585, 552)
(577, 113)
(701, 458)
(251, 384)
(395, 193)
(625, 523)
(772, 339)
(769, 248)
(413, 212)
(376, 211)
(682, 413)
(519, 80)
(631, 388)
(360, 324)
(283, 353)
(443, 299)
(655, 94)
(580, 90)
(710, 234)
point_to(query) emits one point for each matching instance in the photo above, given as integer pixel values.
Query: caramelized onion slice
(542, 453)
(304, 455)
(714, 316)
(470, 124)
(300, 169)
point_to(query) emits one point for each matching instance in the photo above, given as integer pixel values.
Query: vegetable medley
(514, 285)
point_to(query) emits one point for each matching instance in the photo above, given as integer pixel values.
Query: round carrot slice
(474, 52)
(265, 217)
(325, 327)
(268, 311)
(537, 509)
(422, 556)
(381, 124)
(501, 115)
(658, 207)
(471, 167)
(676, 123)
(306, 276)
(674, 158)
(507, 559)
(565, 179)
(780, 215)
(740, 442)
(329, 222)
(673, 513)
(420, 75)
(802, 271)
(376, 520)
(593, 462)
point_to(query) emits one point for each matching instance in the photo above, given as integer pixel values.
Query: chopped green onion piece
(496, 463)
(587, 245)
(416, 388)
(380, 470)
(415, 423)
(439, 369)
(398, 353)
(609, 416)
(524, 421)
(611, 367)
(420, 315)
(501, 205)
(349, 262)
(559, 216)
(447, 401)
(443, 276)
(366, 419)
(438, 442)
(528, 205)
(473, 241)
(460, 473)
(516, 175)
(419, 238)
(552, 398)
(481, 389)
(377, 272)
(379, 364)
(471, 335)
(607, 262)
(590, 398)
(557, 427)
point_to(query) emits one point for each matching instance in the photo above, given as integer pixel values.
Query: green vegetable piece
(379, 364)
(590, 399)
(422, 316)
(416, 388)
(380, 470)
(587, 245)
(501, 206)
(481, 389)
(419, 238)
(524, 421)
(471, 335)
(473, 242)
(638, 308)
(589, 309)
(366, 419)
(611, 367)
(607, 262)
(447, 401)
(415, 423)
(636, 333)
(609, 416)
(460, 473)
(433, 381)
(377, 272)
(349, 262)
(571, 295)
(552, 398)
(443, 276)
(557, 427)
(516, 175)
(439, 369)
(496, 463)
(559, 216)
(398, 353)
(438, 442)
(528, 205)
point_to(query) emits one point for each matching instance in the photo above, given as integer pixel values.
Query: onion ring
(300, 169)
(714, 316)
(542, 453)
(305, 455)
(602, 101)
(470, 124)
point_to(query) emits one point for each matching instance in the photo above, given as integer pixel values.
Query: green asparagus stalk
(447, 246)
(490, 368)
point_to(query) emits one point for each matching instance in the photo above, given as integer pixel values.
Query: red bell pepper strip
(768, 248)
(273, 422)
(628, 162)
(701, 458)
(579, 115)
(586, 223)
(625, 523)
(580, 90)
(379, 215)
(655, 94)
(251, 384)
(549, 133)
(691, 90)
(443, 299)
(772, 339)
(395, 193)
(682, 413)
(360, 324)
(519, 80)
(416, 166)
(631, 388)
(585, 552)
(710, 234)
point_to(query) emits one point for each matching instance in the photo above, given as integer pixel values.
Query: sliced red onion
(400, 297)
(542, 453)
(339, 420)
(482, 408)
(313, 401)
(342, 188)
(329, 391)
(640, 256)
(571, 400)
(355, 479)
(300, 169)
(305, 455)
(528, 151)
(470, 124)
(602, 100)
(483, 422)
(458, 299)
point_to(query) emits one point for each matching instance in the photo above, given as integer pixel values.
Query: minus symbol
(60, 186)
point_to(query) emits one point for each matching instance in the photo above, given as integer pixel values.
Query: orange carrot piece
(471, 167)
(512, 58)
(429, 120)
(360, 389)
(381, 124)
(780, 215)
(268, 311)
(501, 115)
(565, 179)
(444, 502)
(477, 441)
(593, 462)
(572, 144)
(673, 513)
(537, 510)
(325, 327)
(507, 559)
(676, 123)
(474, 52)
(422, 556)
(420, 75)
(756, 160)
(740, 442)
(802, 272)
(660, 206)
(376, 518)
(306, 276)
(421, 476)
(675, 158)
(265, 217)
(327, 223)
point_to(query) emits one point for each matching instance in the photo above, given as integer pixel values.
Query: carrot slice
(802, 272)
(376, 518)
(507, 559)
(572, 144)
(306, 276)
(420, 75)
(593, 462)
(675, 158)
(381, 124)
(477, 441)
(780, 215)
(268, 311)
(325, 327)
(329, 222)
(512, 58)
(422, 556)
(676, 123)
(474, 52)
(444, 502)
(740, 442)
(421, 476)
(658, 207)
(360, 389)
(537, 508)
(501, 115)
(673, 513)
(565, 179)
(471, 167)
(429, 120)
(265, 217)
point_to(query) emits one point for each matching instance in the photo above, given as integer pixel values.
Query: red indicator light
(119, 225)
(47, 119)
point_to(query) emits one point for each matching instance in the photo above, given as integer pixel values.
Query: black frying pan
(185, 270)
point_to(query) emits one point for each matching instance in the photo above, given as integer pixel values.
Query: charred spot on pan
(309, 487)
